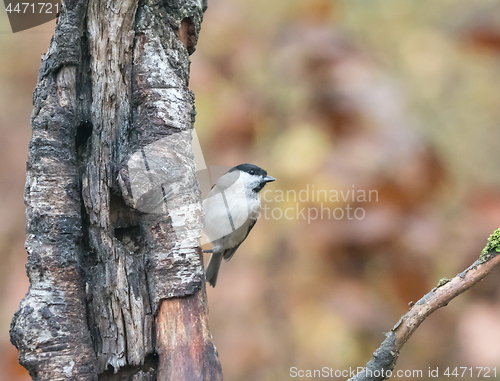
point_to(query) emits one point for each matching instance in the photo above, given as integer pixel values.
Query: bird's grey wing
(228, 254)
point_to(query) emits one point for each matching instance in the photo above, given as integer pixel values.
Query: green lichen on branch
(442, 282)
(492, 246)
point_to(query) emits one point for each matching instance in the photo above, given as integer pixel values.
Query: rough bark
(50, 328)
(112, 201)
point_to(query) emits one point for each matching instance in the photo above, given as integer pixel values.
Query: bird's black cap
(250, 169)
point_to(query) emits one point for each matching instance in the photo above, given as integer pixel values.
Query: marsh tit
(231, 210)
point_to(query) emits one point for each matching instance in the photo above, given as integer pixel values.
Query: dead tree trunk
(113, 205)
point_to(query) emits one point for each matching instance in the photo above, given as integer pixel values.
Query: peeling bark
(112, 201)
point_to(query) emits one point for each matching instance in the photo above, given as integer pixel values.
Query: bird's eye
(252, 172)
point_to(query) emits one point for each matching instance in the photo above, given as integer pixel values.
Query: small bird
(231, 211)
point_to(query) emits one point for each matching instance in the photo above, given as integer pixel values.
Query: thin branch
(382, 363)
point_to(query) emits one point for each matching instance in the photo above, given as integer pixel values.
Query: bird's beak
(268, 179)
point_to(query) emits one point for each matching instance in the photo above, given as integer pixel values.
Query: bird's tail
(213, 268)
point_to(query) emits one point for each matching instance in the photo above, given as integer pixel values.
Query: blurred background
(396, 101)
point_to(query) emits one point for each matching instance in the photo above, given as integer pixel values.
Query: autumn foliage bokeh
(397, 97)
